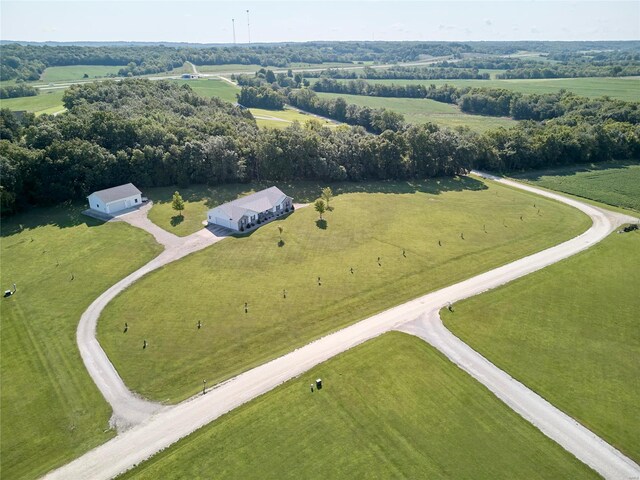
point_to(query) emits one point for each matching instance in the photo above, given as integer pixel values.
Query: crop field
(77, 72)
(391, 408)
(49, 101)
(439, 223)
(570, 332)
(212, 88)
(60, 262)
(623, 88)
(420, 110)
(614, 183)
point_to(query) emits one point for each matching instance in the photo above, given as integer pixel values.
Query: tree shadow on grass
(176, 220)
(321, 224)
(67, 214)
(308, 191)
(281, 243)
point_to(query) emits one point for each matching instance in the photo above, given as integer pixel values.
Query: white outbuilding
(252, 210)
(115, 199)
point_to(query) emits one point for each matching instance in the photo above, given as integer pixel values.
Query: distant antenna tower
(248, 26)
(233, 25)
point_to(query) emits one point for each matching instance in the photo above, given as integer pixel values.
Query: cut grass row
(390, 408)
(613, 183)
(421, 110)
(575, 342)
(212, 286)
(50, 409)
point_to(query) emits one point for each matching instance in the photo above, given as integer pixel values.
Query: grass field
(77, 72)
(614, 183)
(213, 88)
(420, 110)
(212, 286)
(570, 332)
(390, 408)
(284, 118)
(623, 88)
(49, 101)
(50, 409)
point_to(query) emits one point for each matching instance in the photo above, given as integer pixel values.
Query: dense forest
(27, 62)
(160, 133)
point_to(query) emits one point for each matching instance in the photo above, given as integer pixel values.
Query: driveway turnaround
(158, 427)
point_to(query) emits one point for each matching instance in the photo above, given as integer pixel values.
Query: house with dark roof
(252, 210)
(115, 199)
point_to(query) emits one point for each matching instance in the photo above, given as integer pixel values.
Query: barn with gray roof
(115, 199)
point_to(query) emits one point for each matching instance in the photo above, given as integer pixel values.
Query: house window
(97, 205)
(136, 200)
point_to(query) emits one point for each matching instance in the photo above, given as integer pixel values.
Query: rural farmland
(221, 260)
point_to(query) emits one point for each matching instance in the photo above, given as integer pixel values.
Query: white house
(251, 210)
(114, 199)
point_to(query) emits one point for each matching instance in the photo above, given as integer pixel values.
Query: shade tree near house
(177, 203)
(320, 207)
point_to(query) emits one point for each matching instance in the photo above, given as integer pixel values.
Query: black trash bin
(319, 384)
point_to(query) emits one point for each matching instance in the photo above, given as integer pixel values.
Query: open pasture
(60, 262)
(212, 88)
(390, 408)
(570, 333)
(49, 101)
(613, 183)
(77, 72)
(440, 224)
(421, 110)
(622, 88)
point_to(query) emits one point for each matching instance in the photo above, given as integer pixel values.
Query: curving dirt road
(158, 430)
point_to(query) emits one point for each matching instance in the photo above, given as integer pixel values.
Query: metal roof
(256, 202)
(116, 193)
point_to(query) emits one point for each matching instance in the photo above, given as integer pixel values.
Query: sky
(306, 20)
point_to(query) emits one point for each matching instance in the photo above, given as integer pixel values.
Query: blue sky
(302, 20)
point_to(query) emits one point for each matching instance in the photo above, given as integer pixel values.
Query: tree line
(404, 73)
(27, 62)
(161, 134)
(495, 101)
(20, 90)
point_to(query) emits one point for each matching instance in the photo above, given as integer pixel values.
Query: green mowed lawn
(422, 110)
(213, 88)
(570, 332)
(393, 407)
(49, 101)
(213, 285)
(50, 409)
(198, 199)
(623, 88)
(77, 72)
(613, 183)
